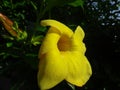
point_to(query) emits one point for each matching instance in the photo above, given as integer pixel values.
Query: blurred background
(100, 20)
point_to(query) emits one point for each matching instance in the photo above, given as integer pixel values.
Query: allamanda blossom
(62, 56)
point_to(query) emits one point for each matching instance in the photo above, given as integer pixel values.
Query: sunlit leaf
(36, 40)
(22, 35)
(9, 44)
(15, 26)
(77, 3)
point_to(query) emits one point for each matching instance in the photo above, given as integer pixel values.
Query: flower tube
(62, 56)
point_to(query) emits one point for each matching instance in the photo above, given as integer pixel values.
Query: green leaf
(77, 3)
(6, 3)
(7, 37)
(40, 28)
(18, 4)
(15, 26)
(9, 44)
(53, 3)
(22, 35)
(3, 53)
(33, 4)
(36, 40)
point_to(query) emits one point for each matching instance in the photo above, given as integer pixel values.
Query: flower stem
(71, 85)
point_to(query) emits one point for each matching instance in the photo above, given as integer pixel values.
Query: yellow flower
(62, 56)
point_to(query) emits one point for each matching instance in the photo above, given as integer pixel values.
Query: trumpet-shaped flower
(62, 56)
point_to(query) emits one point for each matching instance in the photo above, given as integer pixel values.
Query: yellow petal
(50, 42)
(79, 69)
(77, 40)
(63, 29)
(52, 69)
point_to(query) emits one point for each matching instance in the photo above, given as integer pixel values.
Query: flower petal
(79, 69)
(52, 69)
(77, 40)
(50, 42)
(79, 33)
(63, 29)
